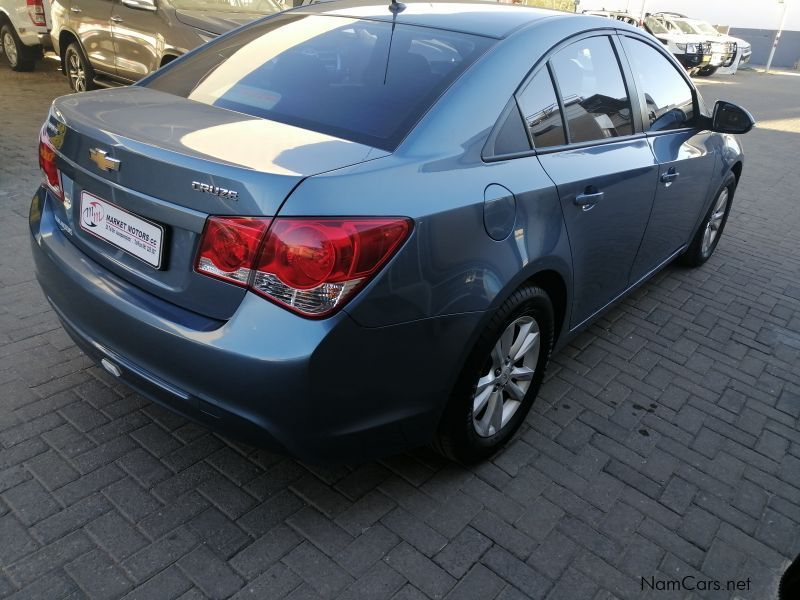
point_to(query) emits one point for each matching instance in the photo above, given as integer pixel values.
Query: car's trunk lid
(178, 162)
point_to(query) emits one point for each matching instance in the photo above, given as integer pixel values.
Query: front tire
(501, 378)
(79, 72)
(20, 57)
(710, 231)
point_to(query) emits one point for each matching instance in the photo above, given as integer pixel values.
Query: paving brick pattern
(665, 442)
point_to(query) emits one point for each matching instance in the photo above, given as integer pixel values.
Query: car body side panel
(138, 40)
(678, 204)
(93, 28)
(604, 238)
(450, 265)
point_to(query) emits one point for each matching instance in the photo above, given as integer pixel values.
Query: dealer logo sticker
(135, 235)
(92, 214)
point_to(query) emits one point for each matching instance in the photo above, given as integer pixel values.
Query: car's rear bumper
(317, 389)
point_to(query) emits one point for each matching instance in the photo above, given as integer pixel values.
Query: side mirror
(730, 118)
(141, 4)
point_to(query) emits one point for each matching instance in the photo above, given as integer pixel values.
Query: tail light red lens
(311, 266)
(47, 163)
(229, 246)
(36, 12)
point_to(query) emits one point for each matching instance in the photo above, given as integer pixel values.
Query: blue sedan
(352, 228)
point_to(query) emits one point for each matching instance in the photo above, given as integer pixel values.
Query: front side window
(667, 96)
(357, 79)
(705, 28)
(655, 26)
(593, 93)
(684, 26)
(541, 112)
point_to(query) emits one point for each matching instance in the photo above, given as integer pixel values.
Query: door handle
(76, 9)
(589, 198)
(117, 19)
(669, 176)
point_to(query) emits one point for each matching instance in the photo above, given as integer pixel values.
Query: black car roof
(488, 19)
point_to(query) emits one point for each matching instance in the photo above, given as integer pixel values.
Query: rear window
(360, 80)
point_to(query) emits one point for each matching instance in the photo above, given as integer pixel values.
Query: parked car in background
(691, 49)
(24, 31)
(350, 229)
(104, 43)
(728, 52)
(614, 14)
(723, 52)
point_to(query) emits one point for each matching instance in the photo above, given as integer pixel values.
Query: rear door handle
(76, 9)
(116, 19)
(669, 176)
(588, 199)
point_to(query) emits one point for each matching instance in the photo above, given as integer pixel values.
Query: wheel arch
(555, 287)
(167, 58)
(736, 169)
(553, 275)
(65, 38)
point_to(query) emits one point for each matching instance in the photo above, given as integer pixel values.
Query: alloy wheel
(507, 376)
(76, 71)
(10, 48)
(715, 222)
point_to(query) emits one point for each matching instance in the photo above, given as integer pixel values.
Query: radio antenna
(395, 7)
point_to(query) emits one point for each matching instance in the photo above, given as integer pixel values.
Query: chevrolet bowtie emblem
(103, 162)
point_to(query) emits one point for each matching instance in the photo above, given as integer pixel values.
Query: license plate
(136, 236)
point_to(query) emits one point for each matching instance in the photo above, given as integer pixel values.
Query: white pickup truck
(24, 31)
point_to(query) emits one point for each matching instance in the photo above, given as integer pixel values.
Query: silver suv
(116, 42)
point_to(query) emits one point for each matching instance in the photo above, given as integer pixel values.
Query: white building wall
(750, 14)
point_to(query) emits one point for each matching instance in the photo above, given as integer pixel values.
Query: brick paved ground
(665, 442)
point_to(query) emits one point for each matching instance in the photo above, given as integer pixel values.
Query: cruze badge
(215, 190)
(102, 160)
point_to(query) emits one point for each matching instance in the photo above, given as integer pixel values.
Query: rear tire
(501, 378)
(79, 72)
(20, 57)
(711, 227)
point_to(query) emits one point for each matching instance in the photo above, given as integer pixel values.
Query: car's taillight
(229, 247)
(311, 266)
(47, 163)
(36, 12)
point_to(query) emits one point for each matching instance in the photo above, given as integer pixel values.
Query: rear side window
(593, 93)
(667, 97)
(541, 112)
(360, 80)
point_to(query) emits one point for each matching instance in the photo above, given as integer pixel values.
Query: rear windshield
(359, 80)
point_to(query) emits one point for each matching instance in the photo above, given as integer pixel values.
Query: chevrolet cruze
(352, 228)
